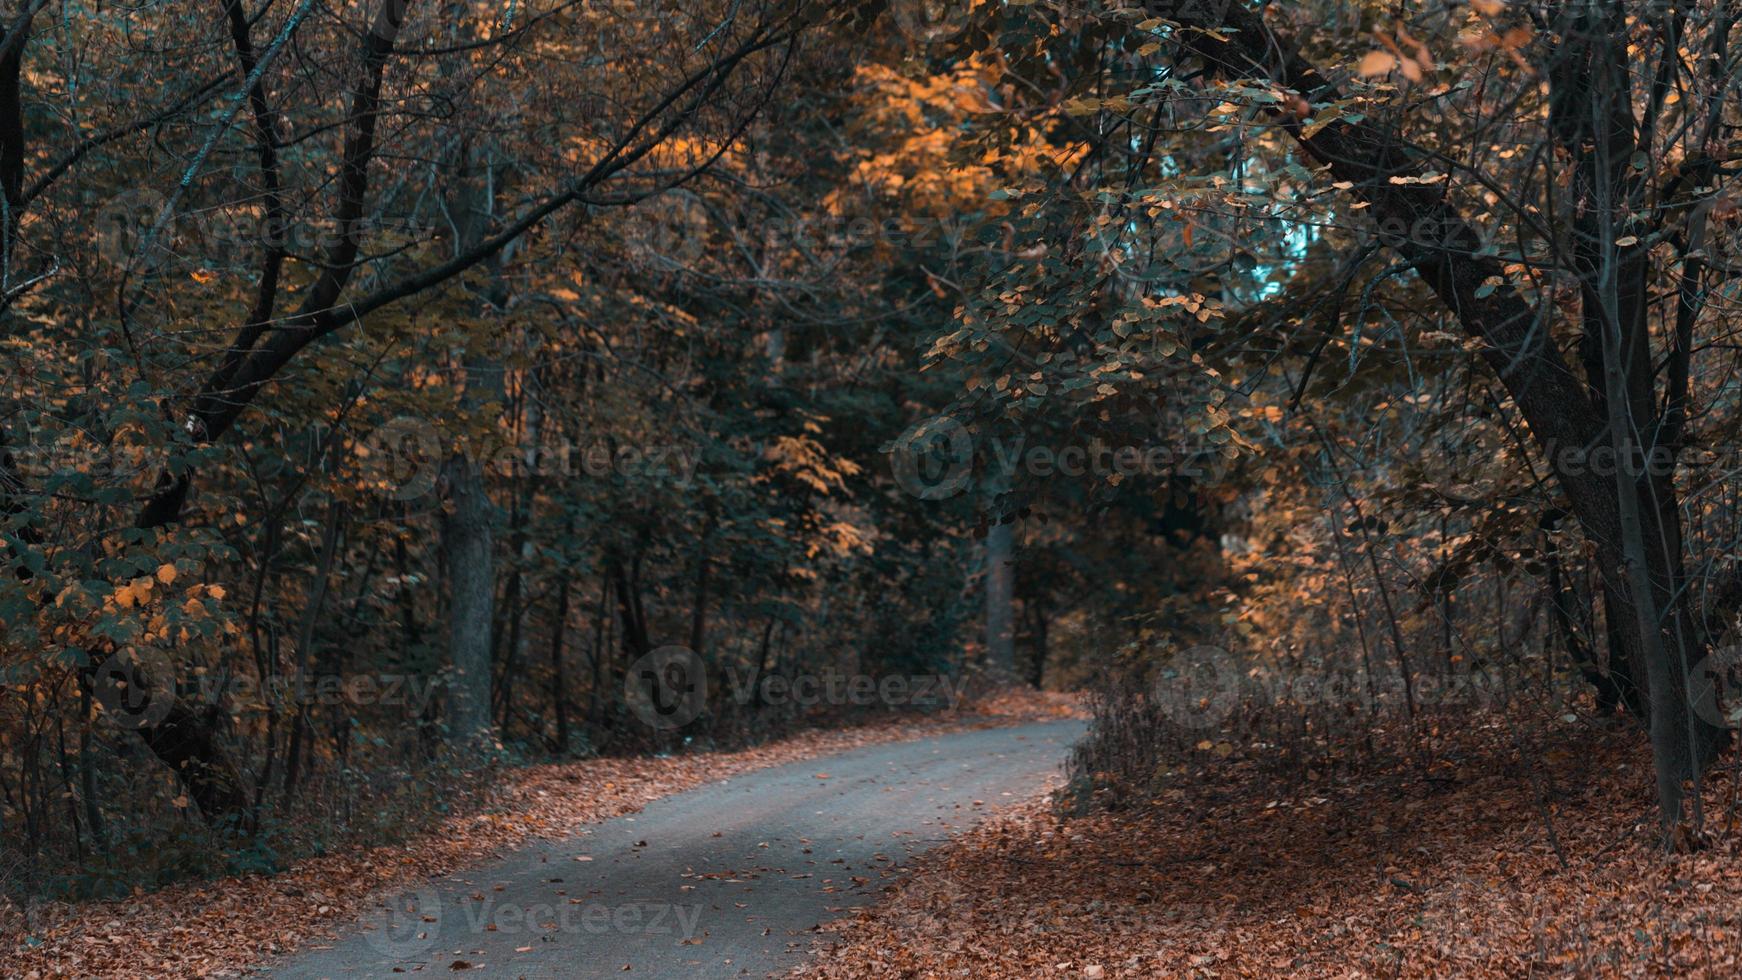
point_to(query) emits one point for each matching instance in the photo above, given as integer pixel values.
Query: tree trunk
(1037, 667)
(188, 745)
(1000, 593)
(1631, 522)
(558, 677)
(601, 644)
(305, 642)
(699, 607)
(467, 546)
(633, 617)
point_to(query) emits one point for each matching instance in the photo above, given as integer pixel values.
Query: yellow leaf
(166, 573)
(1324, 119)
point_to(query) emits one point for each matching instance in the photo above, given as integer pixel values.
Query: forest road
(726, 880)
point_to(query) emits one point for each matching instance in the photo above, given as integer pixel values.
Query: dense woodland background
(384, 380)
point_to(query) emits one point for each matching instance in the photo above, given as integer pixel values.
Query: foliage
(382, 367)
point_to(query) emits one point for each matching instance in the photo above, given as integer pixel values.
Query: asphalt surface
(726, 880)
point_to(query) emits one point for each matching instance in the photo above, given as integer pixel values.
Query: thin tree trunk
(635, 638)
(699, 608)
(1000, 594)
(558, 677)
(1037, 669)
(601, 643)
(305, 642)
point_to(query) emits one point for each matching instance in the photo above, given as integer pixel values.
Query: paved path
(722, 881)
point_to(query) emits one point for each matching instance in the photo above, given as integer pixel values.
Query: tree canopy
(393, 387)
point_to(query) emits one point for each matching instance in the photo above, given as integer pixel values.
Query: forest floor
(220, 927)
(1477, 859)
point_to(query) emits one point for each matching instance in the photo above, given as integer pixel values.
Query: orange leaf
(1376, 63)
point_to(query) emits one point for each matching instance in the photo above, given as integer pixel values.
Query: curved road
(725, 880)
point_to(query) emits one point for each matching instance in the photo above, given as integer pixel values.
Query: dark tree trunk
(1630, 523)
(559, 695)
(1000, 592)
(629, 610)
(467, 545)
(1038, 630)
